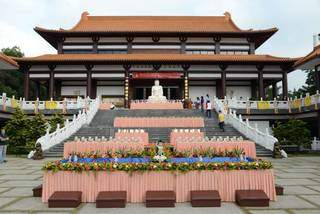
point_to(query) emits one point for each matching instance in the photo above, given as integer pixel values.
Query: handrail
(263, 139)
(296, 103)
(37, 104)
(60, 134)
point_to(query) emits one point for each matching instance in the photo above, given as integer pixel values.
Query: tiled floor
(300, 177)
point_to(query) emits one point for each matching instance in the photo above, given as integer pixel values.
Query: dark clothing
(221, 125)
(208, 113)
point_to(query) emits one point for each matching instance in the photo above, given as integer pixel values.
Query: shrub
(293, 132)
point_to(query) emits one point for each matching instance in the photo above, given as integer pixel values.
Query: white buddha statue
(157, 93)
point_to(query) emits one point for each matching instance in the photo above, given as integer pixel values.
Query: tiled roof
(8, 60)
(314, 54)
(153, 58)
(182, 24)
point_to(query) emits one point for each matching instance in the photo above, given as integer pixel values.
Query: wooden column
(252, 47)
(217, 40)
(26, 82)
(317, 77)
(129, 43)
(89, 80)
(260, 82)
(186, 81)
(60, 45)
(95, 41)
(183, 40)
(285, 85)
(126, 85)
(51, 81)
(223, 81)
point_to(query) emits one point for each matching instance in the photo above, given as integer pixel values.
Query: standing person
(197, 103)
(221, 120)
(202, 104)
(208, 109)
(3, 146)
(207, 98)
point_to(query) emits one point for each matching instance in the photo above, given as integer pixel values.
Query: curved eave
(310, 61)
(259, 36)
(156, 58)
(7, 63)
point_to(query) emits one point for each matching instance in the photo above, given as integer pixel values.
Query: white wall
(73, 91)
(238, 91)
(110, 90)
(198, 91)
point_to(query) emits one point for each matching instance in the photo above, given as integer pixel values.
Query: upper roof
(309, 61)
(184, 24)
(155, 24)
(124, 58)
(7, 63)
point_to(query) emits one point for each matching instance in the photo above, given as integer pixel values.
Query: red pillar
(285, 85)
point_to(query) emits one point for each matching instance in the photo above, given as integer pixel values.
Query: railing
(36, 105)
(276, 105)
(315, 144)
(84, 117)
(263, 139)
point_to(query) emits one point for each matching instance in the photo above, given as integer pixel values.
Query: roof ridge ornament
(227, 15)
(85, 15)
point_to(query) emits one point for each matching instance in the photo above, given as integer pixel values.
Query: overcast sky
(297, 20)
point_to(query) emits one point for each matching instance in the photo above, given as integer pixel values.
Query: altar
(157, 100)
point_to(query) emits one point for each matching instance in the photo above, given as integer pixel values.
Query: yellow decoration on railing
(296, 103)
(14, 103)
(307, 101)
(263, 105)
(51, 104)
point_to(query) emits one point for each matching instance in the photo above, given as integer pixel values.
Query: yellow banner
(307, 101)
(14, 103)
(263, 105)
(51, 105)
(296, 103)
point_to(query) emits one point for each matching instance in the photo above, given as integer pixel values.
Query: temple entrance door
(142, 93)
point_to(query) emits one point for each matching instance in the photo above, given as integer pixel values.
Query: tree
(38, 128)
(293, 132)
(18, 131)
(15, 51)
(11, 81)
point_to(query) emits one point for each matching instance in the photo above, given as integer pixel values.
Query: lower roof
(7, 63)
(134, 58)
(309, 61)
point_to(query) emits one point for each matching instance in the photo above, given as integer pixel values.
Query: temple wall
(198, 91)
(238, 92)
(73, 91)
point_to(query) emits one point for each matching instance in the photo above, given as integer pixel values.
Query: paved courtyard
(299, 175)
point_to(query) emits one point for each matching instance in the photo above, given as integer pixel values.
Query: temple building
(119, 57)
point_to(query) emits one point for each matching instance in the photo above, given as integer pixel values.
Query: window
(112, 51)
(75, 51)
(205, 52)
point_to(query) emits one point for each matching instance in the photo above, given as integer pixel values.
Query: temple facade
(118, 58)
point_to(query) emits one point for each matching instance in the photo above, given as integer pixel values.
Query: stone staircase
(102, 125)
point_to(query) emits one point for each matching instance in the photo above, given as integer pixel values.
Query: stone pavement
(299, 175)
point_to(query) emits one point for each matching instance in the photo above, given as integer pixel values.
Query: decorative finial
(227, 15)
(84, 15)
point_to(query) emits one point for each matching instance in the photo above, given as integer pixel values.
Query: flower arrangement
(151, 166)
(168, 152)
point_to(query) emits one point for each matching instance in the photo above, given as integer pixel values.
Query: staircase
(102, 125)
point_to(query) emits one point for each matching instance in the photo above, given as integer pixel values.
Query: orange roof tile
(182, 24)
(314, 54)
(153, 58)
(8, 60)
